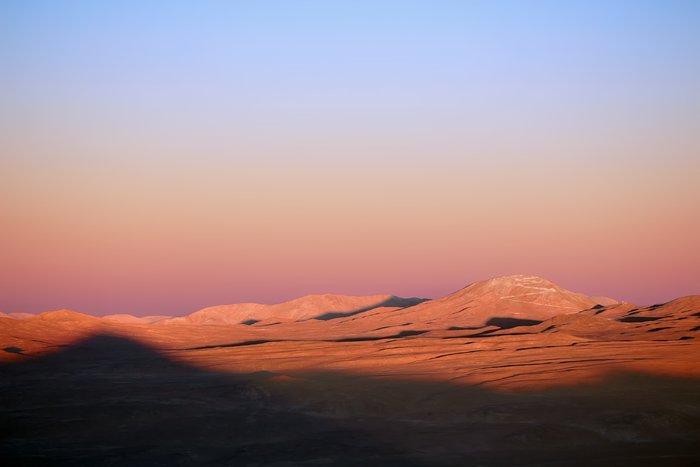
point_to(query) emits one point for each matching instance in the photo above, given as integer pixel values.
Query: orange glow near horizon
(148, 246)
(260, 158)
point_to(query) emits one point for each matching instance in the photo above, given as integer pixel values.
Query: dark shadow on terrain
(250, 322)
(508, 323)
(399, 335)
(379, 338)
(390, 302)
(500, 323)
(113, 401)
(637, 319)
(16, 350)
(235, 344)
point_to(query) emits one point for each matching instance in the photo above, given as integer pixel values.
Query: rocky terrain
(511, 371)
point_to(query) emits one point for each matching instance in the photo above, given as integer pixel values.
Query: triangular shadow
(111, 400)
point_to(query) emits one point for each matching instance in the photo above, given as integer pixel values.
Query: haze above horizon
(158, 157)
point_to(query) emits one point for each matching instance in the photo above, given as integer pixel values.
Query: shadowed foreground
(113, 401)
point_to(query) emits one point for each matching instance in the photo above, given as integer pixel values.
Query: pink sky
(153, 242)
(260, 158)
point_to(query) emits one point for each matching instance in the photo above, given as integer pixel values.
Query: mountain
(15, 315)
(64, 316)
(123, 318)
(547, 373)
(131, 319)
(680, 308)
(519, 297)
(605, 301)
(614, 311)
(19, 315)
(154, 318)
(322, 307)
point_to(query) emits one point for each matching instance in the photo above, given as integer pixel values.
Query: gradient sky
(162, 156)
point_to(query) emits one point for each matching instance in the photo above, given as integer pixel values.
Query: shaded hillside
(322, 307)
(114, 401)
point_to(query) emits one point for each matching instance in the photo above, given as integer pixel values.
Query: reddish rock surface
(509, 371)
(303, 308)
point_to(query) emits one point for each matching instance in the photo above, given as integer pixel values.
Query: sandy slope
(523, 310)
(303, 308)
(521, 297)
(126, 318)
(511, 371)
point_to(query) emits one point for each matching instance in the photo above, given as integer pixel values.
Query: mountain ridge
(519, 296)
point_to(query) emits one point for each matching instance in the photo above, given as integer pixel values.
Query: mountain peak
(526, 279)
(517, 284)
(321, 306)
(519, 296)
(64, 315)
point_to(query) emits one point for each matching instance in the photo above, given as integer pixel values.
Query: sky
(157, 157)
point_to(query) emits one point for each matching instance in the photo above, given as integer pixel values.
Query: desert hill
(517, 297)
(20, 315)
(511, 371)
(127, 318)
(64, 315)
(326, 306)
